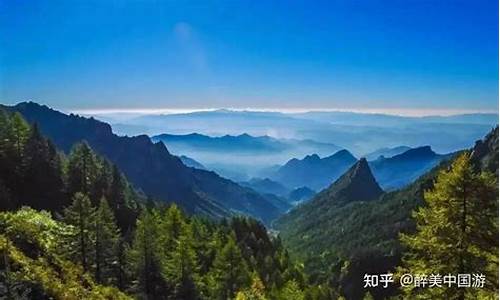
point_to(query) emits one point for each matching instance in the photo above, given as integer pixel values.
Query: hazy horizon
(383, 111)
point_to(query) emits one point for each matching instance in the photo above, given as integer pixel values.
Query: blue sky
(394, 55)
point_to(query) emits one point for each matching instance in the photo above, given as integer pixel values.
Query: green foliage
(368, 296)
(230, 271)
(81, 215)
(457, 231)
(82, 170)
(31, 243)
(19, 134)
(338, 245)
(42, 173)
(291, 291)
(145, 256)
(256, 291)
(105, 236)
(14, 132)
(181, 268)
(28, 159)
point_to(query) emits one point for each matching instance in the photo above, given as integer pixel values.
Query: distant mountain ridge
(240, 143)
(361, 133)
(366, 234)
(355, 185)
(266, 186)
(300, 195)
(189, 162)
(150, 166)
(402, 169)
(386, 152)
(391, 172)
(244, 155)
(243, 142)
(313, 171)
(381, 119)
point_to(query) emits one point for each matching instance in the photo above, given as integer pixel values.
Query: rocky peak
(357, 184)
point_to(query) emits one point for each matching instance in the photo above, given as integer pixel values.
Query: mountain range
(386, 152)
(361, 133)
(402, 169)
(267, 186)
(357, 184)
(150, 166)
(391, 172)
(386, 120)
(352, 228)
(229, 143)
(244, 155)
(313, 171)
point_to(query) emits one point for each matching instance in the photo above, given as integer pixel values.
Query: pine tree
(173, 226)
(257, 290)
(102, 183)
(179, 260)
(146, 256)
(5, 131)
(230, 272)
(107, 236)
(81, 215)
(203, 243)
(20, 133)
(117, 196)
(121, 267)
(291, 291)
(43, 173)
(181, 268)
(14, 137)
(457, 232)
(82, 170)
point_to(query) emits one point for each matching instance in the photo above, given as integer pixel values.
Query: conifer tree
(121, 267)
(81, 215)
(20, 133)
(8, 199)
(43, 173)
(257, 290)
(117, 196)
(102, 183)
(181, 268)
(173, 226)
(15, 136)
(203, 243)
(230, 272)
(5, 132)
(82, 169)
(457, 232)
(107, 236)
(291, 291)
(146, 256)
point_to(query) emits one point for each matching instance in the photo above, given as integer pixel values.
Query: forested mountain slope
(341, 243)
(151, 167)
(95, 238)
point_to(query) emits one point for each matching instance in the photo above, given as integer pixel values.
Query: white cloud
(191, 47)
